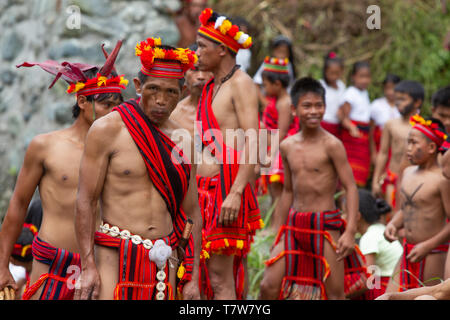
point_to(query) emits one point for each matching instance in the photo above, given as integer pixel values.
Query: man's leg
(334, 285)
(273, 275)
(107, 260)
(220, 268)
(394, 281)
(434, 268)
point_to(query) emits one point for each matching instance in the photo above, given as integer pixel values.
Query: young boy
(409, 96)
(277, 115)
(425, 205)
(314, 247)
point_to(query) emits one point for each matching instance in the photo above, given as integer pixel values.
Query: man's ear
(82, 101)
(137, 85)
(223, 49)
(432, 147)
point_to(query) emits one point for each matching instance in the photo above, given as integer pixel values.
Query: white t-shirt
(386, 253)
(382, 112)
(18, 272)
(333, 99)
(359, 102)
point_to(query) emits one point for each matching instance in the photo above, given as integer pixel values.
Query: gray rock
(11, 45)
(62, 113)
(167, 5)
(7, 77)
(64, 49)
(100, 8)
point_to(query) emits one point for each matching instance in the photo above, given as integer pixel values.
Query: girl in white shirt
(333, 68)
(383, 109)
(354, 116)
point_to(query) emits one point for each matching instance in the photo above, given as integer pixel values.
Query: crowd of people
(361, 189)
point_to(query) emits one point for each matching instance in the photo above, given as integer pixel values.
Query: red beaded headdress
(220, 29)
(429, 129)
(163, 63)
(276, 65)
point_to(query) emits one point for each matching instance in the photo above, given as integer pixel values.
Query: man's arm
(94, 164)
(446, 164)
(440, 292)
(338, 156)
(382, 159)
(245, 100)
(287, 196)
(29, 176)
(344, 118)
(284, 117)
(192, 209)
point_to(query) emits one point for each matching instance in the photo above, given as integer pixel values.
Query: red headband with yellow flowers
(163, 63)
(429, 129)
(220, 29)
(276, 65)
(73, 73)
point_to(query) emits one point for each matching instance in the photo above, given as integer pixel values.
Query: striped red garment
(55, 282)
(170, 179)
(233, 239)
(358, 152)
(411, 273)
(306, 267)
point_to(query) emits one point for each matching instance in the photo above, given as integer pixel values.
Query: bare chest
(307, 159)
(62, 166)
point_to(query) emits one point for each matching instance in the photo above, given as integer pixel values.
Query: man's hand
(89, 287)
(345, 245)
(419, 252)
(376, 189)
(7, 280)
(386, 296)
(354, 131)
(191, 291)
(230, 208)
(390, 233)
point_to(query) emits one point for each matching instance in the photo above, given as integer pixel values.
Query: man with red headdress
(147, 190)
(229, 104)
(52, 163)
(425, 209)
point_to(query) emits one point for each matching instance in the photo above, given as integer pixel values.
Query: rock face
(62, 30)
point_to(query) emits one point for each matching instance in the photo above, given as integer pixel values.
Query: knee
(219, 279)
(268, 290)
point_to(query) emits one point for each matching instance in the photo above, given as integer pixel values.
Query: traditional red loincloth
(411, 273)
(333, 128)
(57, 283)
(306, 267)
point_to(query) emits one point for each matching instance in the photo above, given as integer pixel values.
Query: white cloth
(243, 58)
(382, 112)
(359, 102)
(386, 253)
(18, 272)
(333, 98)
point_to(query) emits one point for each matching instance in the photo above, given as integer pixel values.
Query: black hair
(272, 77)
(441, 98)
(370, 208)
(391, 78)
(96, 97)
(143, 77)
(330, 59)
(412, 88)
(306, 85)
(358, 66)
(282, 40)
(241, 21)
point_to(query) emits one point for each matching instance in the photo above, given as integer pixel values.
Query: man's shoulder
(108, 125)
(241, 79)
(330, 141)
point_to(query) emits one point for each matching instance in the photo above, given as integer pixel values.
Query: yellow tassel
(275, 178)
(101, 81)
(123, 81)
(227, 244)
(159, 53)
(181, 271)
(208, 245)
(239, 244)
(238, 35)
(226, 25)
(261, 223)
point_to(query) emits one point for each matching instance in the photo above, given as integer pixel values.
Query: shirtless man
(313, 161)
(409, 96)
(229, 102)
(187, 22)
(51, 163)
(146, 193)
(425, 206)
(186, 111)
(446, 164)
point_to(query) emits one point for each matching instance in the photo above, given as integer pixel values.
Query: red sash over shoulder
(170, 177)
(235, 238)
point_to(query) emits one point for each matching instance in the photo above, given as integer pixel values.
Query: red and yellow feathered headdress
(220, 29)
(163, 63)
(429, 129)
(276, 65)
(74, 74)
